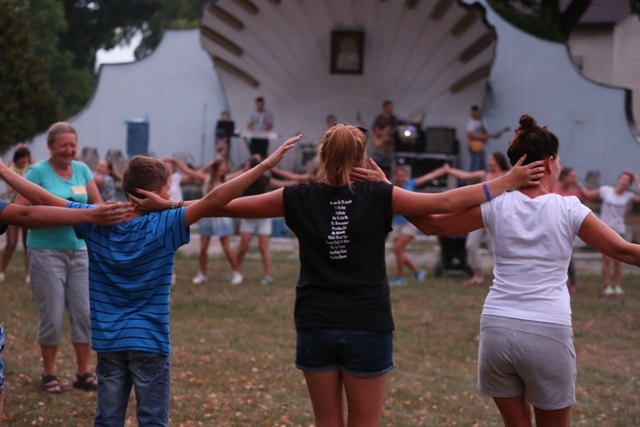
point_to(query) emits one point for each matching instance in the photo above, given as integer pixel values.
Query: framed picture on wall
(346, 52)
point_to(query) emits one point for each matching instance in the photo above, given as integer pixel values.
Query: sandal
(87, 382)
(50, 384)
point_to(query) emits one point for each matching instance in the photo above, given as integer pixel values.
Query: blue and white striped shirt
(130, 269)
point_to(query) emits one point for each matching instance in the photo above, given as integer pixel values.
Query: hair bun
(527, 122)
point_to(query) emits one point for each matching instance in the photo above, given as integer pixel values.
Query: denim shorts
(357, 353)
(215, 226)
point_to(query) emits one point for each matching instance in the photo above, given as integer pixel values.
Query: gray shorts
(59, 280)
(519, 357)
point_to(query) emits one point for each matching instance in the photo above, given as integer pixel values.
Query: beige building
(605, 48)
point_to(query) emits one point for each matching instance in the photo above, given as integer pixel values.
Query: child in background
(19, 164)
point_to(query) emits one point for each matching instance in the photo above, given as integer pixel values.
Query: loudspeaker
(409, 139)
(441, 140)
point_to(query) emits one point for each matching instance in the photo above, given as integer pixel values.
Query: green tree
(66, 35)
(27, 103)
(73, 85)
(542, 18)
(545, 18)
(104, 24)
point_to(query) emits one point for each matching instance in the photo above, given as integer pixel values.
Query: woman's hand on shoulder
(372, 173)
(150, 202)
(112, 213)
(527, 175)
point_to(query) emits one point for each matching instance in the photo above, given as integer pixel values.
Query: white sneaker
(236, 278)
(27, 278)
(608, 290)
(200, 278)
(2, 277)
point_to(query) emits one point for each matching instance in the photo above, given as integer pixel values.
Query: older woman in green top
(58, 261)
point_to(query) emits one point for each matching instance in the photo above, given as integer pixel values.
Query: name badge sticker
(79, 189)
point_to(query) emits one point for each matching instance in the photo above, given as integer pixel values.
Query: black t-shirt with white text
(341, 233)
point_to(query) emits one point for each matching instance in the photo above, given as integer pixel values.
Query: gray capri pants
(59, 280)
(472, 246)
(521, 357)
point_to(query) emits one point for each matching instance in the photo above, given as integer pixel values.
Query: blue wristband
(486, 191)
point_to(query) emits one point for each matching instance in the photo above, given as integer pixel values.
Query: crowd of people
(342, 217)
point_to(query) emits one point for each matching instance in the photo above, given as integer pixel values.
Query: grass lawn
(233, 348)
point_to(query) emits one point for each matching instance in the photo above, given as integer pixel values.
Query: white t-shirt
(261, 120)
(532, 244)
(175, 190)
(613, 207)
(476, 126)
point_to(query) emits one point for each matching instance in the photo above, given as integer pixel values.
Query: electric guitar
(476, 145)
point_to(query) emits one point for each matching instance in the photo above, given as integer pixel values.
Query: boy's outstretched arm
(213, 202)
(49, 216)
(27, 189)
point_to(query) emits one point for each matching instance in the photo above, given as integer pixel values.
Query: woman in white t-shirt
(526, 353)
(614, 203)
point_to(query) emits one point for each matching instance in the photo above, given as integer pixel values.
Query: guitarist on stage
(478, 136)
(383, 136)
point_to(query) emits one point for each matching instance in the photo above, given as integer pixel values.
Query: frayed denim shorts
(357, 353)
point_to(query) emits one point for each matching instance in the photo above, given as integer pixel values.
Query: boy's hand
(528, 175)
(372, 174)
(277, 155)
(152, 202)
(112, 213)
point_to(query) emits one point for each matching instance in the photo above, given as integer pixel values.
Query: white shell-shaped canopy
(427, 56)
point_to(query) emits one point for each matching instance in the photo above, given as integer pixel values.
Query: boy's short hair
(146, 173)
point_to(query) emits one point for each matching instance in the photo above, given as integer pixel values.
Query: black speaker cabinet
(441, 140)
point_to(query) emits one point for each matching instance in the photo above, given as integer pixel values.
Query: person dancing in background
(19, 164)
(526, 354)
(106, 178)
(614, 203)
(403, 231)
(343, 313)
(221, 227)
(497, 166)
(567, 185)
(261, 227)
